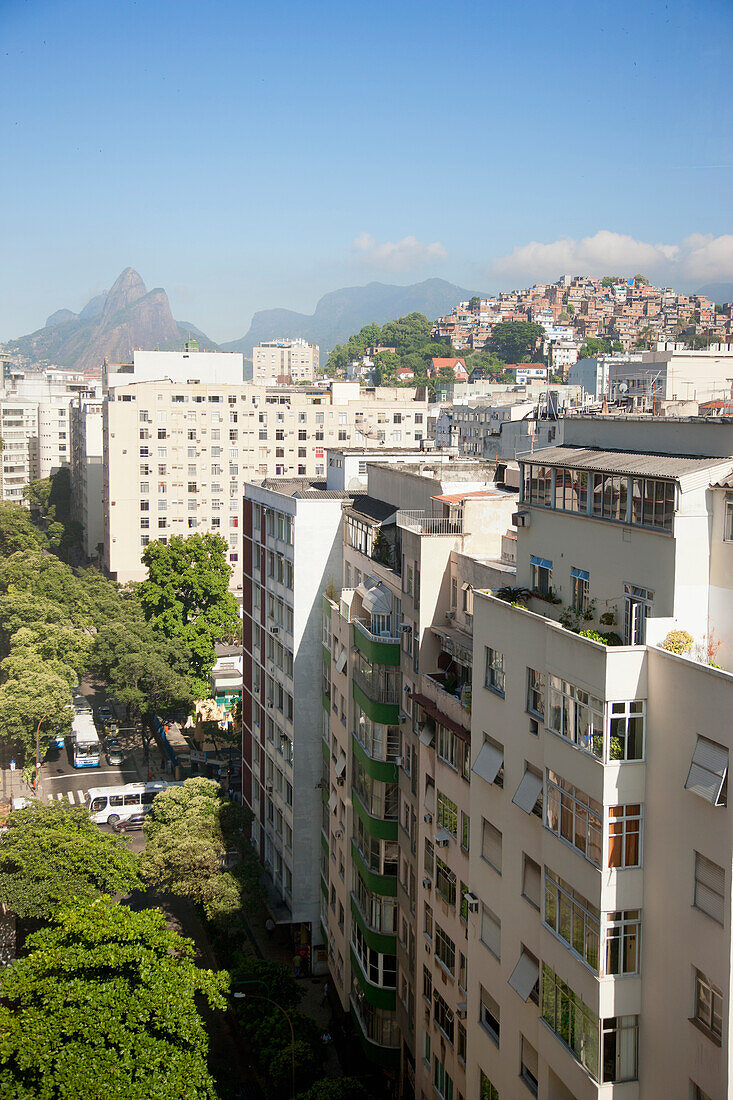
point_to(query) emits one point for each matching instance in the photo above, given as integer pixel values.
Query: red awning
(442, 719)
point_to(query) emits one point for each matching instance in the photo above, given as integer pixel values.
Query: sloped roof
(624, 462)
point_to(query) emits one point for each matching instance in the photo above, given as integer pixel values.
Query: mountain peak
(127, 289)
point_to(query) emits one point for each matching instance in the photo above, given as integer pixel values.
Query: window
(447, 747)
(427, 984)
(528, 1066)
(696, 1092)
(574, 919)
(708, 774)
(536, 693)
(728, 519)
(541, 574)
(445, 882)
(576, 715)
(708, 1007)
(488, 1092)
(465, 829)
(531, 880)
(442, 1082)
(427, 924)
(574, 817)
(491, 844)
(626, 732)
(574, 1023)
(445, 949)
(624, 836)
(623, 941)
(709, 895)
(489, 763)
(443, 1016)
(447, 814)
(491, 931)
(489, 1015)
(580, 590)
(494, 678)
(620, 1048)
(637, 607)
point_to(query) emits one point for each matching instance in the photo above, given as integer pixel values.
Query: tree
(35, 694)
(186, 597)
(593, 347)
(16, 530)
(474, 303)
(104, 1004)
(335, 1088)
(515, 341)
(610, 280)
(641, 280)
(53, 852)
(143, 669)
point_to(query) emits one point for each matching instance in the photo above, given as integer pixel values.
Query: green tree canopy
(142, 668)
(34, 693)
(104, 1005)
(516, 341)
(336, 1088)
(17, 531)
(186, 597)
(593, 347)
(53, 853)
(610, 280)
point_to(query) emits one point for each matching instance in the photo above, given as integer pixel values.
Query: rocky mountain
(342, 312)
(110, 326)
(717, 292)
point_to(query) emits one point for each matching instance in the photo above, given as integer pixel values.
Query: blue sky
(247, 155)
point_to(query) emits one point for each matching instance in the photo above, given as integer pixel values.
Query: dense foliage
(516, 341)
(104, 1005)
(186, 598)
(409, 336)
(53, 853)
(594, 346)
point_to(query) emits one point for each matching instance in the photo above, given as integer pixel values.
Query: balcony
(420, 523)
(385, 637)
(448, 702)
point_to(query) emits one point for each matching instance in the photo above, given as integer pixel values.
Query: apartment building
(291, 553)
(177, 454)
(87, 472)
(19, 457)
(284, 362)
(397, 545)
(598, 901)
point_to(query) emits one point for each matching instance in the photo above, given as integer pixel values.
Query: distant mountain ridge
(342, 312)
(110, 326)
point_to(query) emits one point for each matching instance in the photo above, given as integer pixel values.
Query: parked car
(129, 824)
(113, 751)
(105, 715)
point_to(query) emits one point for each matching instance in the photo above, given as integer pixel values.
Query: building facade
(87, 472)
(284, 362)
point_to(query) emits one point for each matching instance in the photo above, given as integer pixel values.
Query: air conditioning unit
(461, 1010)
(338, 833)
(521, 519)
(275, 630)
(450, 616)
(471, 902)
(268, 785)
(441, 842)
(406, 628)
(256, 689)
(427, 883)
(427, 948)
(428, 819)
(340, 781)
(399, 761)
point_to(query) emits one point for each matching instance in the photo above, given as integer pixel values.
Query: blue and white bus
(86, 746)
(108, 805)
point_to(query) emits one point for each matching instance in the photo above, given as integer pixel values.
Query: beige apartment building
(19, 459)
(284, 362)
(177, 454)
(599, 902)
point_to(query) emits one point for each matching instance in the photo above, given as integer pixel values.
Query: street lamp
(259, 997)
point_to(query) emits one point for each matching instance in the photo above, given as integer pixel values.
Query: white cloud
(402, 255)
(698, 257)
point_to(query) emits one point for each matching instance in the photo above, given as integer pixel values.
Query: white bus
(86, 747)
(108, 805)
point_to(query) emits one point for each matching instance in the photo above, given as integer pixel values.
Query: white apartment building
(87, 471)
(19, 457)
(284, 362)
(599, 903)
(291, 553)
(178, 454)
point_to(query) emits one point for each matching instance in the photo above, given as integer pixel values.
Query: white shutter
(491, 931)
(708, 771)
(488, 762)
(524, 975)
(710, 888)
(528, 791)
(491, 845)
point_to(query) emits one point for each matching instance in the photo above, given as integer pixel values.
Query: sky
(247, 155)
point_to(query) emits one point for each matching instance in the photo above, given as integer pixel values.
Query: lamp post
(259, 997)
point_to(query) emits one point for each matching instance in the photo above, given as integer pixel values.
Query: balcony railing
(364, 626)
(379, 686)
(460, 691)
(423, 524)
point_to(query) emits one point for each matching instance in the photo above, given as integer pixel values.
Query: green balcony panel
(387, 714)
(377, 769)
(379, 653)
(326, 654)
(324, 887)
(326, 703)
(377, 826)
(387, 1057)
(385, 885)
(324, 842)
(326, 752)
(378, 941)
(380, 998)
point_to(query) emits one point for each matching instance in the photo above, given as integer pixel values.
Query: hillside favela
(366, 642)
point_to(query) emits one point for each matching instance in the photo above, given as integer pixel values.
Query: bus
(81, 706)
(108, 805)
(85, 741)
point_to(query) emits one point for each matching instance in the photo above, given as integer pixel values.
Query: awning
(524, 975)
(341, 764)
(708, 771)
(488, 762)
(378, 600)
(543, 563)
(528, 791)
(427, 736)
(332, 801)
(455, 642)
(580, 574)
(442, 719)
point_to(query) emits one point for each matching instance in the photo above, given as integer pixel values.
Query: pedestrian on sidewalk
(324, 1000)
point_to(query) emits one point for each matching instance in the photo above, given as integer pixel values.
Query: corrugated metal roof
(724, 483)
(623, 462)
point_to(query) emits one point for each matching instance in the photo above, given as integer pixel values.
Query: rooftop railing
(423, 524)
